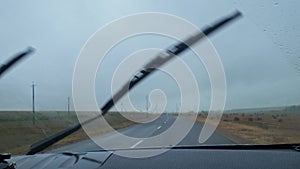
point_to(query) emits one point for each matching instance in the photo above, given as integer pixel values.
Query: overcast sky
(260, 52)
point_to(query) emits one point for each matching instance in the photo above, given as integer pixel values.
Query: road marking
(158, 127)
(139, 142)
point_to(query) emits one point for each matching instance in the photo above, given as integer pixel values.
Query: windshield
(237, 84)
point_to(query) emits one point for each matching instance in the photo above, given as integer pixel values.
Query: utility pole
(147, 103)
(122, 107)
(33, 104)
(68, 105)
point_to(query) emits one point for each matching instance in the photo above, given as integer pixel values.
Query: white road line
(158, 127)
(139, 142)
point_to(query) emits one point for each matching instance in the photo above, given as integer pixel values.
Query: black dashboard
(174, 158)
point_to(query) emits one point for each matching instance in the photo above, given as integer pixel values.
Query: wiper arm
(148, 69)
(14, 60)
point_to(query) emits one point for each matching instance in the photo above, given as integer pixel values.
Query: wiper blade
(148, 69)
(162, 58)
(14, 60)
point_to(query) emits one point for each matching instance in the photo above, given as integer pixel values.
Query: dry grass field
(18, 131)
(248, 126)
(265, 126)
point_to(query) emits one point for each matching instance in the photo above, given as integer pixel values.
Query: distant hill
(283, 109)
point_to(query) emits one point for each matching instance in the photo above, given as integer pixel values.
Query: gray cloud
(260, 53)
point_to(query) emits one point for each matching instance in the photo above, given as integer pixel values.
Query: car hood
(62, 160)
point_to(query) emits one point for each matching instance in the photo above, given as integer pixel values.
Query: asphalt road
(145, 130)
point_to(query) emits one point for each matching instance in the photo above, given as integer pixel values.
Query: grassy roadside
(116, 121)
(18, 131)
(259, 128)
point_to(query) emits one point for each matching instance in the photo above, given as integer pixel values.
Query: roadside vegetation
(18, 131)
(260, 126)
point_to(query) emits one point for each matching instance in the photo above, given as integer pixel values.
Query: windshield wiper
(148, 69)
(14, 60)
